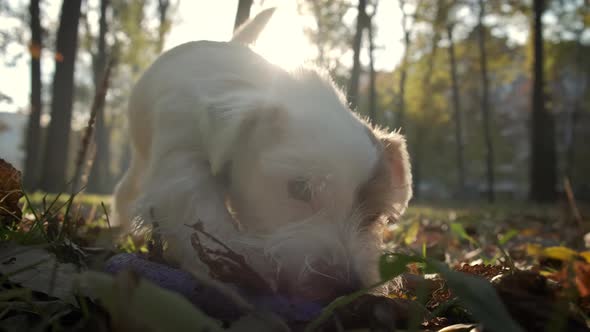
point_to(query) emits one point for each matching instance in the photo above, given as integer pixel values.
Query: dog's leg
(127, 191)
(179, 188)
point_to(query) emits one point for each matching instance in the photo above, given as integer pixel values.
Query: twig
(88, 137)
(227, 265)
(106, 214)
(572, 201)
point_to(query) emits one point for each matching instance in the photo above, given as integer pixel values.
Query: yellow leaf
(412, 233)
(586, 256)
(560, 253)
(529, 232)
(533, 249)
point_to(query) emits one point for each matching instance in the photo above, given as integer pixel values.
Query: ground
(463, 266)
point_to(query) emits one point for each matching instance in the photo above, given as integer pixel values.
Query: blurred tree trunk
(404, 67)
(353, 87)
(243, 13)
(33, 138)
(485, 105)
(458, 116)
(421, 130)
(372, 74)
(100, 176)
(55, 163)
(316, 7)
(573, 116)
(543, 163)
(163, 11)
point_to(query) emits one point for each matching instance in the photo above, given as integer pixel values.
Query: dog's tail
(248, 32)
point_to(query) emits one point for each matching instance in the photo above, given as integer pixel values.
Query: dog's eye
(299, 189)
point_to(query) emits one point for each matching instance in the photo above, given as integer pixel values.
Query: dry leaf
(10, 192)
(582, 278)
(37, 269)
(560, 253)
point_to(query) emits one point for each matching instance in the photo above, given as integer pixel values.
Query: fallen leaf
(461, 328)
(582, 270)
(559, 253)
(412, 233)
(38, 269)
(585, 255)
(10, 192)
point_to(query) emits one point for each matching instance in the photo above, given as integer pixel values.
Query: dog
(273, 163)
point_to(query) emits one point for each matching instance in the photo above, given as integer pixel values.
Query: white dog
(272, 162)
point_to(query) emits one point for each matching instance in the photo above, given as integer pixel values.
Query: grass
(87, 200)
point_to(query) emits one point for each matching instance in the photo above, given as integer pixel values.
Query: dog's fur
(272, 162)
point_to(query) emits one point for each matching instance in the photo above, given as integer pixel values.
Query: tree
(353, 87)
(543, 161)
(53, 177)
(485, 104)
(164, 27)
(568, 72)
(404, 64)
(99, 174)
(372, 74)
(33, 135)
(457, 111)
(243, 13)
(426, 85)
(330, 36)
(574, 114)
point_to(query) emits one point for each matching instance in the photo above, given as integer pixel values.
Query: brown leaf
(461, 328)
(534, 301)
(382, 313)
(582, 278)
(10, 192)
(482, 270)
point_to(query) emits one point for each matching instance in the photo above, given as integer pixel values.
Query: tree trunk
(33, 138)
(543, 163)
(421, 131)
(485, 106)
(353, 87)
(403, 68)
(573, 116)
(99, 178)
(319, 42)
(57, 143)
(163, 8)
(243, 13)
(458, 116)
(372, 74)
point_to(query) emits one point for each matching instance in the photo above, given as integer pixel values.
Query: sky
(283, 42)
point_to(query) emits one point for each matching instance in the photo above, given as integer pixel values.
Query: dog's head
(309, 180)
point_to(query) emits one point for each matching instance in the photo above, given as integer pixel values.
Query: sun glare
(283, 42)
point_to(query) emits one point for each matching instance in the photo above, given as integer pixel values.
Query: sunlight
(283, 41)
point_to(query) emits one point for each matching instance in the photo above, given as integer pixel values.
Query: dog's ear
(240, 120)
(248, 32)
(398, 161)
